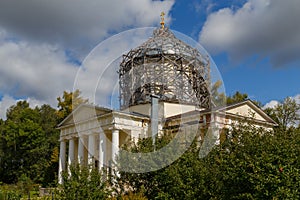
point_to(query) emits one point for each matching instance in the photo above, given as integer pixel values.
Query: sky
(44, 45)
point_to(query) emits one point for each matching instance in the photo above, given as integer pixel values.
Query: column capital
(114, 127)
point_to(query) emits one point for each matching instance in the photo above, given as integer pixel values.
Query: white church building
(164, 83)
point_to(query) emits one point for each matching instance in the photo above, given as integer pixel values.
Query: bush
(251, 163)
(82, 183)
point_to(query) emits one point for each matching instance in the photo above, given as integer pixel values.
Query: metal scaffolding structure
(167, 67)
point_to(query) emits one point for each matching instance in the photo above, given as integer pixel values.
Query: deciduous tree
(68, 102)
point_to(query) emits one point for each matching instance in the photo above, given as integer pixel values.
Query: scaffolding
(166, 67)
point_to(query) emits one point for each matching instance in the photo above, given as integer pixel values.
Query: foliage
(286, 113)
(218, 99)
(251, 163)
(25, 184)
(27, 139)
(9, 193)
(82, 183)
(22, 190)
(68, 102)
(237, 97)
(131, 196)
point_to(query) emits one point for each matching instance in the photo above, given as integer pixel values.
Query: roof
(93, 111)
(224, 108)
(164, 41)
(96, 110)
(252, 105)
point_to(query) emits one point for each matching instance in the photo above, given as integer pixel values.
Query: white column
(102, 150)
(80, 151)
(62, 161)
(91, 149)
(71, 156)
(75, 150)
(115, 144)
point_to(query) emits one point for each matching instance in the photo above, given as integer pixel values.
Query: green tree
(68, 102)
(83, 183)
(286, 113)
(48, 120)
(2, 145)
(251, 163)
(24, 141)
(237, 97)
(218, 99)
(28, 138)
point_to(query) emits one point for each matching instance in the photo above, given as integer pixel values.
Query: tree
(2, 142)
(237, 97)
(218, 99)
(251, 163)
(48, 120)
(286, 113)
(261, 165)
(68, 102)
(28, 139)
(24, 144)
(82, 183)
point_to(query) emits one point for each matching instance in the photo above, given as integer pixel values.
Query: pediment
(248, 109)
(83, 112)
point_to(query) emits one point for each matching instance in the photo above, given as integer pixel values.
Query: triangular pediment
(83, 112)
(247, 109)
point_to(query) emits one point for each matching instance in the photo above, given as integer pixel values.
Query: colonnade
(88, 150)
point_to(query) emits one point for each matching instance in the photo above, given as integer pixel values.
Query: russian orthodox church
(165, 85)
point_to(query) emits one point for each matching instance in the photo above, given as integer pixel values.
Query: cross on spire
(162, 22)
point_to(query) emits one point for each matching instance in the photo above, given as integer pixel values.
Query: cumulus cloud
(5, 103)
(77, 24)
(8, 101)
(37, 71)
(273, 103)
(261, 27)
(34, 72)
(43, 42)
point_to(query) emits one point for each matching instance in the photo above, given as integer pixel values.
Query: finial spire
(162, 22)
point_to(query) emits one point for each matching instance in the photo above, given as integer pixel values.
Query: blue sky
(254, 43)
(255, 75)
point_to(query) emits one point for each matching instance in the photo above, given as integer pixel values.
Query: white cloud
(32, 72)
(297, 98)
(271, 104)
(8, 101)
(262, 27)
(38, 37)
(77, 24)
(5, 103)
(37, 71)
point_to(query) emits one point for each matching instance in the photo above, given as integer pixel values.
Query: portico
(95, 141)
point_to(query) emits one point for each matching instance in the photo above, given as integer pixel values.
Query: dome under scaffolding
(166, 67)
